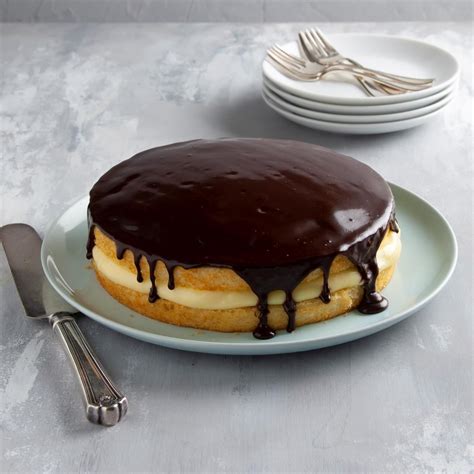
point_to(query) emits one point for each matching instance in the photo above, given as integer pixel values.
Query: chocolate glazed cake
(272, 212)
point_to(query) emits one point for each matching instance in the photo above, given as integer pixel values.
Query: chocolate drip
(170, 268)
(290, 308)
(120, 250)
(153, 295)
(90, 241)
(136, 260)
(325, 266)
(262, 281)
(363, 256)
(271, 210)
(394, 227)
(263, 330)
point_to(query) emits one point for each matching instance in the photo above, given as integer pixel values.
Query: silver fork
(370, 86)
(316, 45)
(333, 53)
(295, 67)
(367, 85)
(303, 70)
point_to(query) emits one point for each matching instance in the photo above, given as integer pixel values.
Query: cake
(243, 235)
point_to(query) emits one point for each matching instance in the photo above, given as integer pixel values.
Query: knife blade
(105, 404)
(22, 246)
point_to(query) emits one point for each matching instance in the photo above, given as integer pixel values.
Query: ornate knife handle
(105, 404)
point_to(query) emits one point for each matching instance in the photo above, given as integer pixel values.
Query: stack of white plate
(337, 104)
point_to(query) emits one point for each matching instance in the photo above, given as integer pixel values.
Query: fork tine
(287, 69)
(277, 59)
(288, 55)
(319, 52)
(281, 62)
(329, 47)
(304, 46)
(275, 53)
(317, 42)
(312, 50)
(285, 58)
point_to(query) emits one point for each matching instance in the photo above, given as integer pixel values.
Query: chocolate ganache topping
(271, 210)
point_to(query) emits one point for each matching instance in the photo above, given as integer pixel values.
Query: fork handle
(369, 84)
(105, 404)
(380, 78)
(391, 78)
(411, 80)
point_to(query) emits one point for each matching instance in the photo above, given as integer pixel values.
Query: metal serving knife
(105, 404)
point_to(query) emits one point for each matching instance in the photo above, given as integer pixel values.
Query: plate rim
(360, 109)
(439, 104)
(374, 100)
(255, 348)
(352, 128)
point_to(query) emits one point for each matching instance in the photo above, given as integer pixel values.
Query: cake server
(105, 404)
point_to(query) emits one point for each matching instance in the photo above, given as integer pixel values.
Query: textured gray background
(78, 98)
(235, 10)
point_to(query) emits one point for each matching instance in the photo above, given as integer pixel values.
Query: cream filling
(205, 299)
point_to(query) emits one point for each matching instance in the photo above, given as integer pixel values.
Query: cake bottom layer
(239, 319)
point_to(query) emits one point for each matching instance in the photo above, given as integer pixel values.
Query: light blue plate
(428, 259)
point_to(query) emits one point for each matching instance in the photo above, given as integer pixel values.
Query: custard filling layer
(387, 256)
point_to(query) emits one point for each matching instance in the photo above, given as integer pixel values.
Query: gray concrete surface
(78, 98)
(235, 10)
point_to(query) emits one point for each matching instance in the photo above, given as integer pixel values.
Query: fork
(318, 47)
(366, 84)
(369, 85)
(332, 52)
(302, 70)
(295, 67)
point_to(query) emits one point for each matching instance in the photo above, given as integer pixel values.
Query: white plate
(360, 109)
(338, 118)
(428, 259)
(403, 56)
(351, 128)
